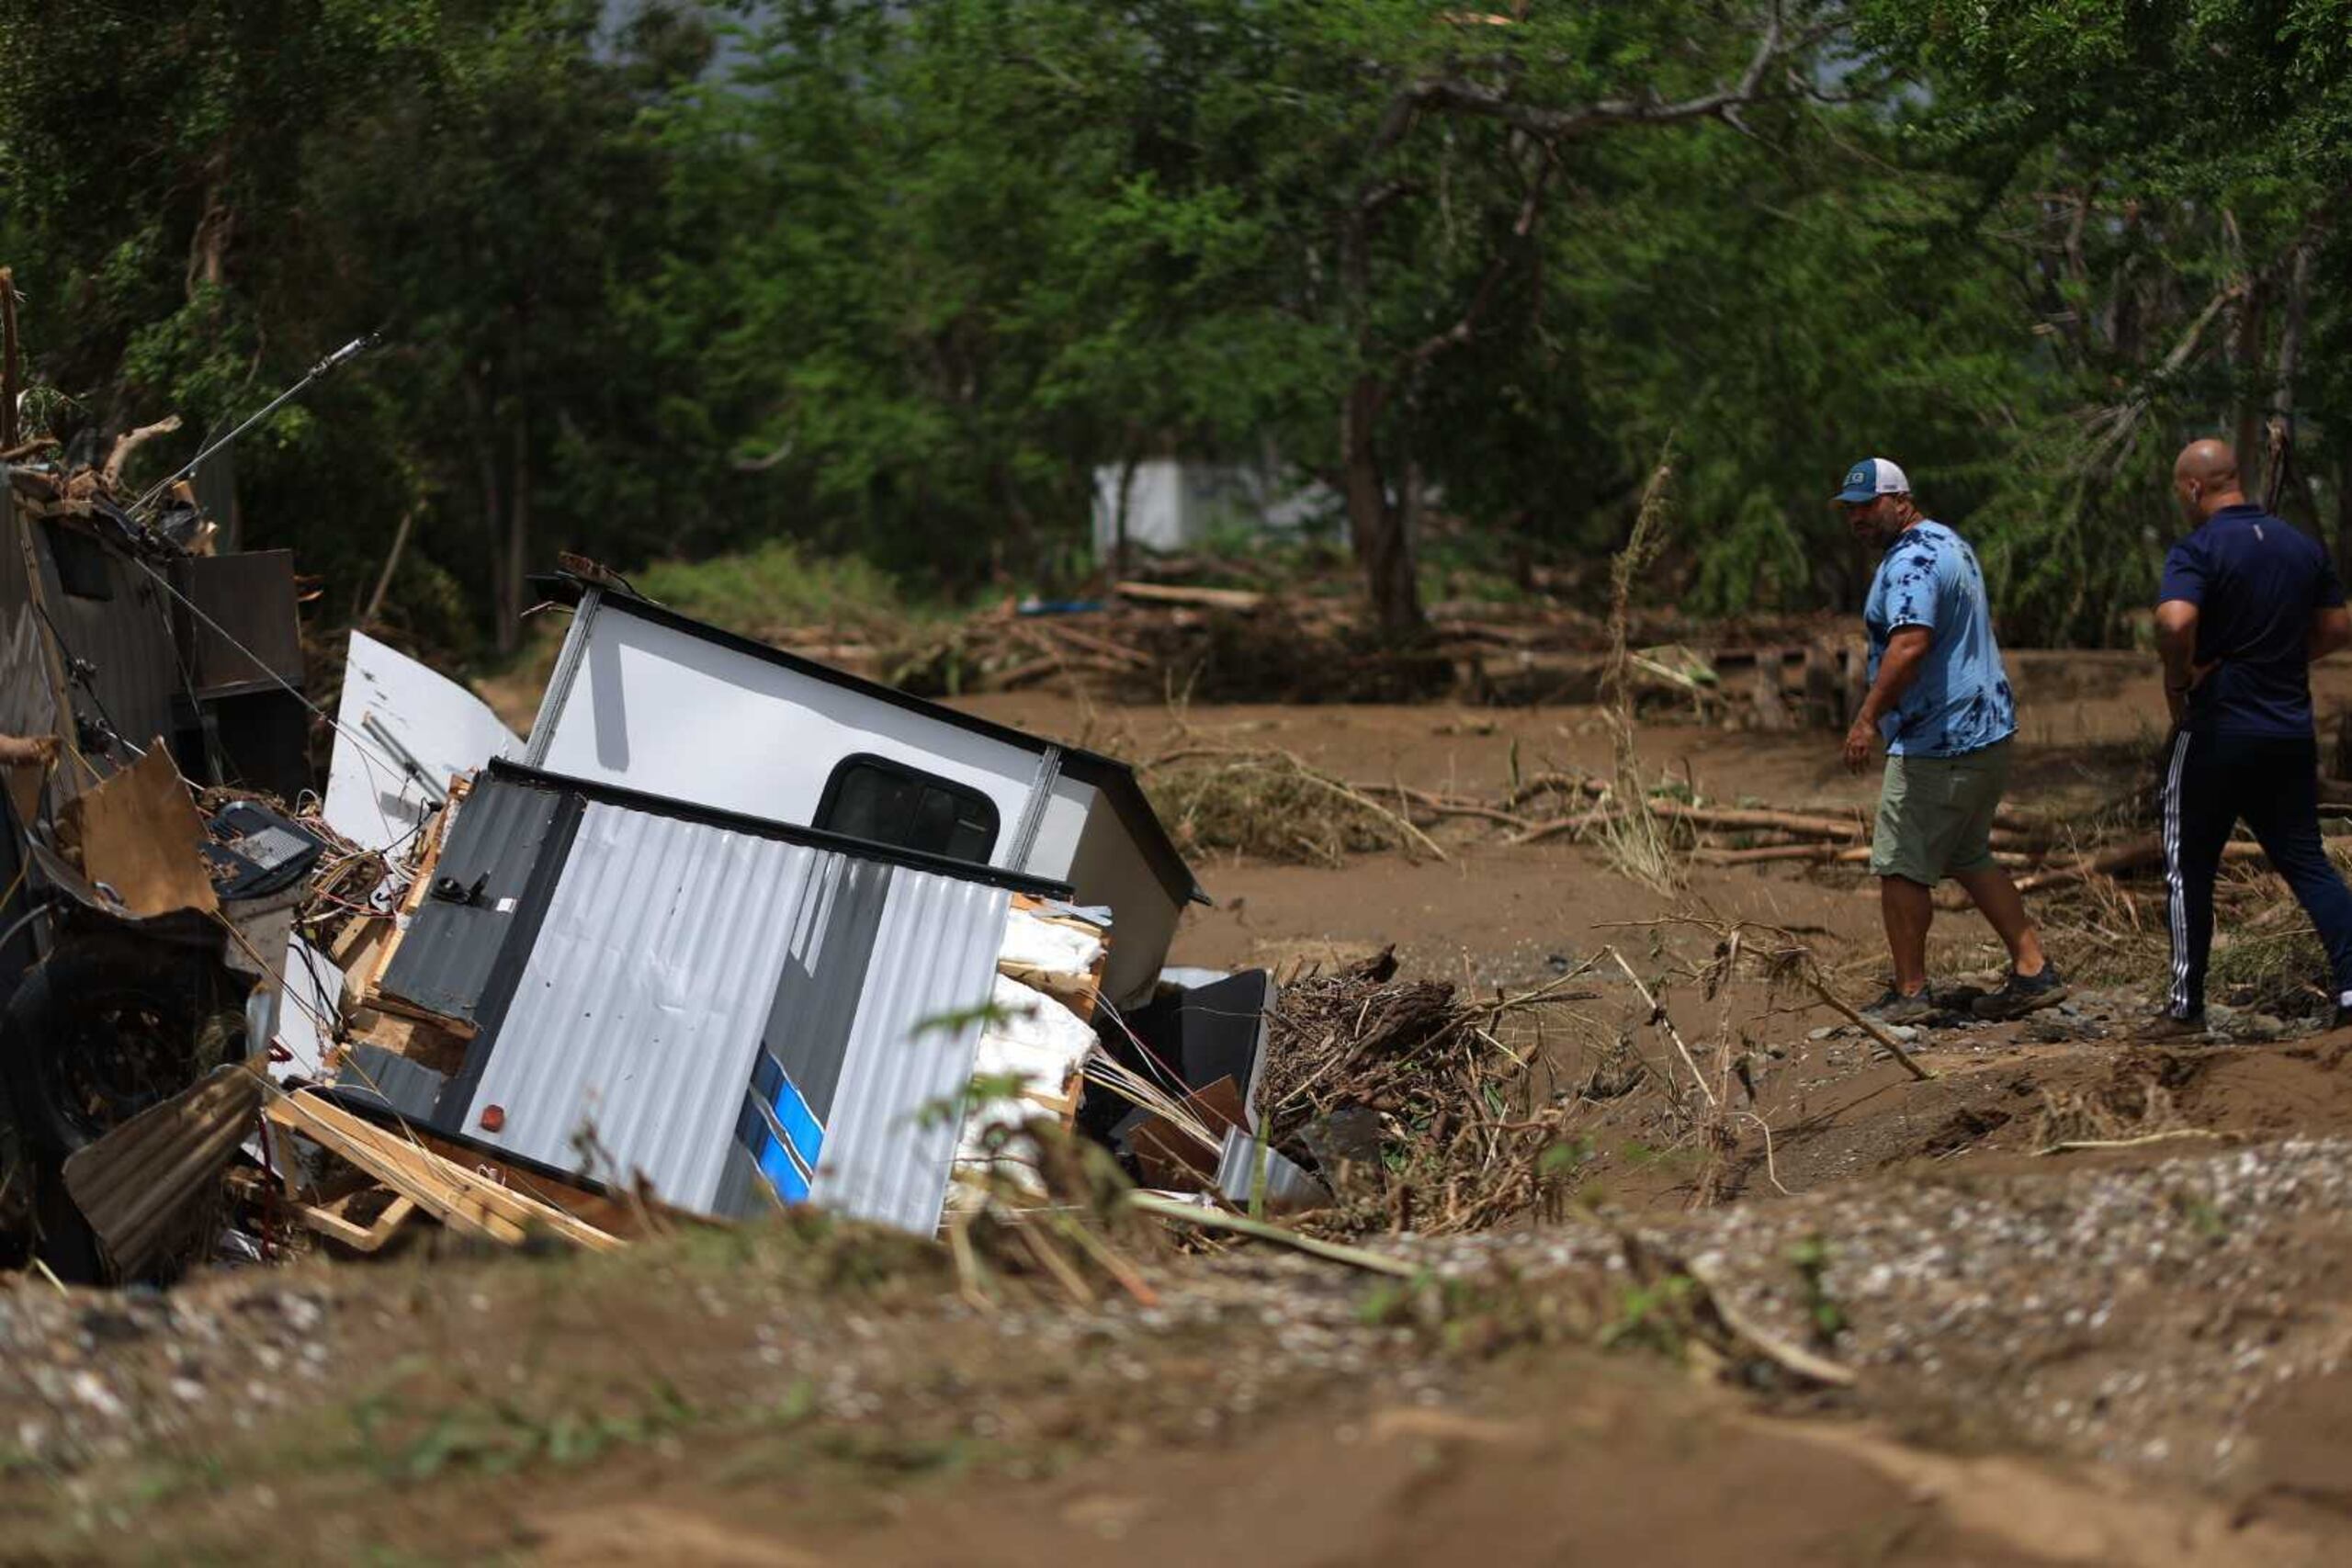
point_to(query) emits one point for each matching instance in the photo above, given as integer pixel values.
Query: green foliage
(862, 299)
(779, 584)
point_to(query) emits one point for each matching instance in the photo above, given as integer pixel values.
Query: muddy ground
(2130, 1354)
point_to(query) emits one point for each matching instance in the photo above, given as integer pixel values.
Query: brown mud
(2135, 1354)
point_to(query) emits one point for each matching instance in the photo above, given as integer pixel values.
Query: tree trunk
(494, 515)
(2249, 363)
(518, 535)
(2278, 450)
(1119, 532)
(1380, 530)
(8, 358)
(2344, 514)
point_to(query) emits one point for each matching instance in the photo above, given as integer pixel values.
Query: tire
(104, 1029)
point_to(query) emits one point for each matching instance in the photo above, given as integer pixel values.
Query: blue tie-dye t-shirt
(1961, 700)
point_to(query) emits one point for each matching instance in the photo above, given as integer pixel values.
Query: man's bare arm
(2176, 646)
(2331, 629)
(1906, 651)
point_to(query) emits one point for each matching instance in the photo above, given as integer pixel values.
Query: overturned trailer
(740, 928)
(652, 700)
(711, 1003)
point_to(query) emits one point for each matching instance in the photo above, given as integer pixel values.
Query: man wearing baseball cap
(1940, 700)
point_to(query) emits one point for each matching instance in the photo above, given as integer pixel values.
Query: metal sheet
(634, 1024)
(674, 713)
(307, 1005)
(138, 1183)
(897, 1116)
(496, 862)
(687, 974)
(127, 640)
(373, 796)
(372, 1076)
(250, 598)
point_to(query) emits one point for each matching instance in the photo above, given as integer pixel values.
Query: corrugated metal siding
(126, 638)
(138, 1183)
(661, 969)
(642, 1001)
(129, 639)
(886, 1158)
(445, 956)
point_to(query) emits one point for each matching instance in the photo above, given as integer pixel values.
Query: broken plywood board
(139, 833)
(1059, 955)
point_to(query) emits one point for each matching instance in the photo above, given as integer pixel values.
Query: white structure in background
(1174, 504)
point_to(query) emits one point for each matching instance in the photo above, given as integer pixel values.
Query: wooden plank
(457, 1197)
(1173, 593)
(359, 1238)
(427, 1041)
(626, 1215)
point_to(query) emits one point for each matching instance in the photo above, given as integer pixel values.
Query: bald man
(2247, 603)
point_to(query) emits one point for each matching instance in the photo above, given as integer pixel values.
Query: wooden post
(1857, 678)
(2342, 766)
(1823, 696)
(1771, 709)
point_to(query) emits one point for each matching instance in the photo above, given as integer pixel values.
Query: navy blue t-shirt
(2257, 582)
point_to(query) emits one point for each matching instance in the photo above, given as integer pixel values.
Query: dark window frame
(965, 794)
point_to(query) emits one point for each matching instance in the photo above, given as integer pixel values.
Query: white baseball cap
(1871, 478)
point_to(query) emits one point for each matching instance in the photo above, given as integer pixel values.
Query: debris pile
(730, 930)
(1150, 639)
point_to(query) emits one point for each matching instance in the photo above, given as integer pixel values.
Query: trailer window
(888, 803)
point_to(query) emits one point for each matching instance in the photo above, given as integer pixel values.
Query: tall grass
(1633, 839)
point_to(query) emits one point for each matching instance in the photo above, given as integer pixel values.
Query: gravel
(2136, 1315)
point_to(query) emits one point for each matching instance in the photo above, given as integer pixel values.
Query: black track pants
(2210, 782)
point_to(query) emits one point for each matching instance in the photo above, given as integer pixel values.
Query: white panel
(643, 999)
(669, 714)
(891, 1143)
(1061, 828)
(1112, 869)
(371, 798)
(308, 1004)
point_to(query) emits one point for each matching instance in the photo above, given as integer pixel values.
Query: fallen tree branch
(1657, 1017)
(1218, 1220)
(2072, 1144)
(129, 441)
(1838, 1005)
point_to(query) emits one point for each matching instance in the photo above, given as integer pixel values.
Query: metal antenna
(351, 350)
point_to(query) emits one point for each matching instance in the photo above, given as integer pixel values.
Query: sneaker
(1896, 1007)
(2022, 993)
(2165, 1029)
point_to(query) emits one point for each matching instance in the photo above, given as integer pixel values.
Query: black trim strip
(1113, 777)
(499, 768)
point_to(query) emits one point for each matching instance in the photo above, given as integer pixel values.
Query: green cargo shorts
(1934, 813)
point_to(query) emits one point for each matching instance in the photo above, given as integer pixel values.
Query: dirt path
(2134, 1355)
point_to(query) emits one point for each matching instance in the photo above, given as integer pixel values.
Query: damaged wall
(720, 1005)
